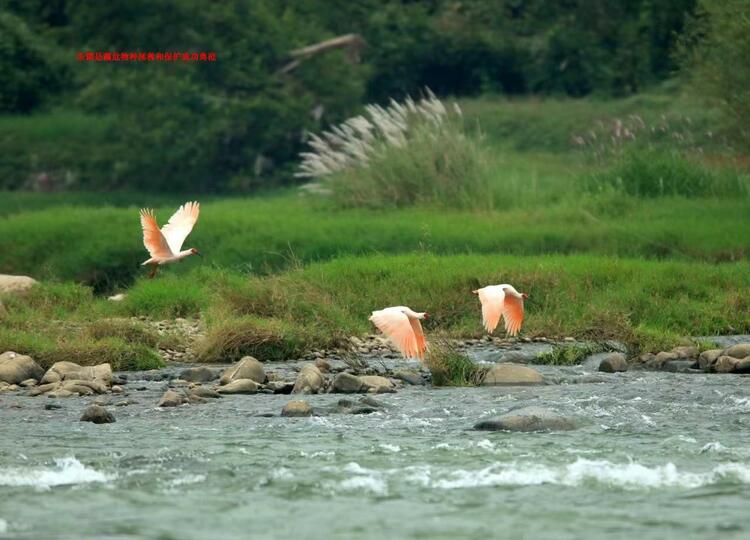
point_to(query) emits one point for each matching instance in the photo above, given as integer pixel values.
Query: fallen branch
(353, 42)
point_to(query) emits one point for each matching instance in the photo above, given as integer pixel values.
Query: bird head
(524, 295)
(195, 252)
(425, 315)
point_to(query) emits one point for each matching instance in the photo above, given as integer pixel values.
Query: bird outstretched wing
(153, 239)
(492, 299)
(396, 326)
(416, 326)
(180, 224)
(513, 313)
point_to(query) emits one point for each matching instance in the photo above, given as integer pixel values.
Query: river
(657, 455)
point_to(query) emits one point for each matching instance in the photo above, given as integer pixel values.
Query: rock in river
(741, 350)
(376, 384)
(708, 358)
(297, 408)
(527, 419)
(240, 386)
(170, 399)
(203, 392)
(61, 371)
(511, 374)
(247, 368)
(409, 377)
(97, 415)
(613, 363)
(309, 380)
(346, 383)
(16, 368)
(198, 374)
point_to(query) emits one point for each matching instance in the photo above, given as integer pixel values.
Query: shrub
(451, 368)
(264, 338)
(401, 155)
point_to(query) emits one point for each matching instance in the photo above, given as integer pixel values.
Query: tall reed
(414, 152)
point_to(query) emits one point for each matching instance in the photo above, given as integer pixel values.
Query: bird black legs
(154, 268)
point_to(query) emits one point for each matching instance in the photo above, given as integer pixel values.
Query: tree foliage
(239, 122)
(715, 53)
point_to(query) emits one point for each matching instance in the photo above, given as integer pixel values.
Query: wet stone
(97, 415)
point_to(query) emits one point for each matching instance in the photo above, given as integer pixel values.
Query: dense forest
(239, 122)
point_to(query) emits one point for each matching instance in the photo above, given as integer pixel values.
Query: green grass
(102, 246)
(655, 174)
(548, 125)
(449, 367)
(284, 273)
(54, 322)
(650, 305)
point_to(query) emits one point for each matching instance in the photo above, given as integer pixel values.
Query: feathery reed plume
(352, 143)
(406, 153)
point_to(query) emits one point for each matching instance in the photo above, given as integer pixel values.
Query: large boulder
(247, 368)
(240, 386)
(97, 415)
(346, 383)
(309, 380)
(14, 284)
(61, 371)
(613, 363)
(297, 408)
(198, 374)
(511, 374)
(725, 364)
(16, 368)
(707, 359)
(741, 350)
(527, 419)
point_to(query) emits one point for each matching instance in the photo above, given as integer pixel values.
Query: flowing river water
(656, 455)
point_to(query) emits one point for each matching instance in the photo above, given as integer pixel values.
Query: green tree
(715, 53)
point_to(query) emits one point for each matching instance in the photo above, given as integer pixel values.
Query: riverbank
(223, 315)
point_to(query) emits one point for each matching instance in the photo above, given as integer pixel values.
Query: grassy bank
(648, 304)
(102, 246)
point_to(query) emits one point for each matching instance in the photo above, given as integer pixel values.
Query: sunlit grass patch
(449, 367)
(48, 347)
(264, 338)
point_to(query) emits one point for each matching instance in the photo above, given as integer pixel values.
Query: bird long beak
(199, 253)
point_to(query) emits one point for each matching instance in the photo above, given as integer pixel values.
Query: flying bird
(403, 328)
(165, 245)
(501, 301)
